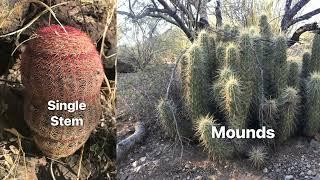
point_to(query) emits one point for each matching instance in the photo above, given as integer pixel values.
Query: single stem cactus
(61, 64)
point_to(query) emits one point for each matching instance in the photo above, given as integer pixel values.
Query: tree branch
(296, 35)
(304, 17)
(178, 20)
(297, 7)
(288, 5)
(290, 13)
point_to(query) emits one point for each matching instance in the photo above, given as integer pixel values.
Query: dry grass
(139, 92)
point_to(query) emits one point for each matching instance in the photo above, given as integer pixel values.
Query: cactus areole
(62, 74)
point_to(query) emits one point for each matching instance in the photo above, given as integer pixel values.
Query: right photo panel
(218, 89)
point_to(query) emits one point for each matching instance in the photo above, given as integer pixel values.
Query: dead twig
(51, 171)
(80, 162)
(167, 98)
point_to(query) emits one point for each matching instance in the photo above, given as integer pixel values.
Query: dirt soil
(158, 157)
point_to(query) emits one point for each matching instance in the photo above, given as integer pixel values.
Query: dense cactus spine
(265, 29)
(234, 103)
(232, 57)
(253, 86)
(267, 59)
(61, 64)
(280, 72)
(166, 112)
(258, 156)
(305, 70)
(313, 105)
(171, 121)
(217, 148)
(217, 86)
(288, 104)
(221, 55)
(293, 75)
(315, 55)
(198, 84)
(208, 46)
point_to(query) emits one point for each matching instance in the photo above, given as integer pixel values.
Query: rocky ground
(158, 157)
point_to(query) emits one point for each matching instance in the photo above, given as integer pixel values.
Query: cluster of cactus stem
(247, 83)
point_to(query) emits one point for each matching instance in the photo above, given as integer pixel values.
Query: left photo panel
(57, 89)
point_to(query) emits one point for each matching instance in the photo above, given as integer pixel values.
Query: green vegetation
(250, 84)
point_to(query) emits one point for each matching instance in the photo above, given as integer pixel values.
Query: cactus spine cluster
(293, 75)
(217, 148)
(313, 106)
(310, 87)
(253, 85)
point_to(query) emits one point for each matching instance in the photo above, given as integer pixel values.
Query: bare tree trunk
(218, 15)
(125, 145)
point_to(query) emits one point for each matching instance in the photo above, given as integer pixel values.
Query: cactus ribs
(61, 64)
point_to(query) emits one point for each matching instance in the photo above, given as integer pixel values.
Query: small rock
(102, 124)
(137, 169)
(301, 174)
(199, 178)
(265, 170)
(134, 164)
(187, 166)
(309, 173)
(289, 177)
(142, 159)
(314, 144)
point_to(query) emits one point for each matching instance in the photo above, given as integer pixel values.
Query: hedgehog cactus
(198, 100)
(232, 57)
(315, 55)
(221, 55)
(234, 102)
(313, 105)
(266, 58)
(217, 148)
(293, 75)
(208, 45)
(280, 65)
(265, 29)
(61, 64)
(249, 87)
(167, 111)
(288, 105)
(305, 65)
(258, 156)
